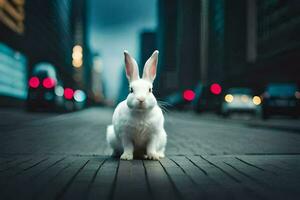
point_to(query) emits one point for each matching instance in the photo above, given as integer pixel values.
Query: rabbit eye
(130, 90)
(150, 89)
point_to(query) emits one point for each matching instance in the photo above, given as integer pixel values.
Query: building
(47, 31)
(223, 40)
(230, 42)
(179, 44)
(247, 43)
(277, 50)
(48, 35)
(13, 62)
(258, 47)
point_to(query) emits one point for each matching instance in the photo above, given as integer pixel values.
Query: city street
(225, 74)
(65, 156)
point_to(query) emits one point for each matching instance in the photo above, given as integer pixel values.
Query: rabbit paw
(161, 155)
(127, 156)
(152, 156)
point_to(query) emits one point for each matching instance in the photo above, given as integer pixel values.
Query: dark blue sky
(115, 25)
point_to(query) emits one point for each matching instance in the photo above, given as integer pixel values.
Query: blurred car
(199, 98)
(45, 90)
(240, 100)
(208, 98)
(280, 98)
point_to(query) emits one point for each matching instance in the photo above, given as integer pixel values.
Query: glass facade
(13, 73)
(277, 21)
(216, 41)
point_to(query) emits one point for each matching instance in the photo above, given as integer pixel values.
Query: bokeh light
(79, 96)
(215, 89)
(256, 100)
(34, 82)
(68, 93)
(59, 91)
(228, 98)
(48, 83)
(189, 95)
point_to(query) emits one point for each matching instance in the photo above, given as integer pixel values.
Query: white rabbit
(138, 122)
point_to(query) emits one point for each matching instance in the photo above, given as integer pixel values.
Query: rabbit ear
(150, 67)
(132, 70)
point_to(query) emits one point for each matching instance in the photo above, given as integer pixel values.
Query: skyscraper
(47, 31)
(179, 45)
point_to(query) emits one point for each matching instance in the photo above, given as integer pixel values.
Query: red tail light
(68, 93)
(34, 82)
(215, 89)
(49, 83)
(189, 95)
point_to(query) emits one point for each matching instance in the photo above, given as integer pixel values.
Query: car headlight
(256, 100)
(228, 98)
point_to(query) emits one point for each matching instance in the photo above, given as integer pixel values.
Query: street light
(77, 56)
(77, 48)
(77, 63)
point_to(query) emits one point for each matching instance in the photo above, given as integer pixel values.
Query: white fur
(138, 128)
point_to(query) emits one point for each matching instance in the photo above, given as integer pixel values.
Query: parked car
(45, 90)
(281, 98)
(208, 98)
(200, 98)
(240, 100)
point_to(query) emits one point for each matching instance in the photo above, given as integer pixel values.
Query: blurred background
(221, 56)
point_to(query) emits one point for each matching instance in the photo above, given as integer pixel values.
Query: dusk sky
(115, 26)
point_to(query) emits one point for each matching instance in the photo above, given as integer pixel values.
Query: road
(65, 156)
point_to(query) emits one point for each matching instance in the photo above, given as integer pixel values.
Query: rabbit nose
(141, 99)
